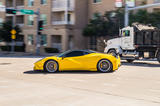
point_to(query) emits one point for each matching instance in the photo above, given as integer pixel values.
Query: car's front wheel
(105, 66)
(51, 66)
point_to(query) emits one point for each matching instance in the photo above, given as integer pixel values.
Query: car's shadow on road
(63, 72)
(141, 64)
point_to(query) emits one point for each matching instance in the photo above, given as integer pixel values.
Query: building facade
(63, 20)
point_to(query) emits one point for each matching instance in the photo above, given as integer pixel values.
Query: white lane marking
(3, 81)
(118, 78)
(77, 80)
(11, 71)
(51, 77)
(3, 86)
(154, 90)
(108, 84)
(90, 75)
(158, 82)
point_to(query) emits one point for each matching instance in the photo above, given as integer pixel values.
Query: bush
(17, 48)
(51, 50)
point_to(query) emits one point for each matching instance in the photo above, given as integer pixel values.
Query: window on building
(69, 17)
(43, 1)
(1, 21)
(96, 1)
(43, 17)
(156, 9)
(30, 20)
(30, 2)
(30, 40)
(156, 1)
(44, 40)
(95, 15)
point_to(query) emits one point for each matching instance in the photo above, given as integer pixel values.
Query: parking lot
(136, 84)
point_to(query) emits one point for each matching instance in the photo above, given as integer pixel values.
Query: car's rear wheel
(105, 66)
(51, 66)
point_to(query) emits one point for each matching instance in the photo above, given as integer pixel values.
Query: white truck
(136, 42)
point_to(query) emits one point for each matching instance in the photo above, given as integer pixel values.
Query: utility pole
(126, 16)
(13, 26)
(38, 34)
(127, 10)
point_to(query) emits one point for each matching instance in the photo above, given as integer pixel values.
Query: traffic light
(11, 11)
(40, 25)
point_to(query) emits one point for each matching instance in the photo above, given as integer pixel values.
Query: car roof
(82, 50)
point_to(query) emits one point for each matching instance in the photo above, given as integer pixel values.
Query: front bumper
(37, 67)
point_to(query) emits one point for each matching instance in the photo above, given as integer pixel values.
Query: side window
(85, 53)
(74, 54)
(126, 33)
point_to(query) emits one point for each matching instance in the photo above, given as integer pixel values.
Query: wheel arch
(118, 49)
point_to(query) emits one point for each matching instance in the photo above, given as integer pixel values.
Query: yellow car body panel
(86, 62)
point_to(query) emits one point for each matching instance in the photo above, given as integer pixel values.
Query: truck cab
(138, 41)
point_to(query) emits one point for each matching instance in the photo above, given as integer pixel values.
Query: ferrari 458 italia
(79, 60)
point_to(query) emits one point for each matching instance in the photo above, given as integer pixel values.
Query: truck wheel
(130, 60)
(158, 57)
(113, 52)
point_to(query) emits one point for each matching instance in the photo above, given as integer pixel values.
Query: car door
(70, 61)
(89, 60)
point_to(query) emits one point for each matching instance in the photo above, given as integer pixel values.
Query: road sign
(13, 32)
(13, 37)
(118, 3)
(24, 11)
(2, 8)
(130, 3)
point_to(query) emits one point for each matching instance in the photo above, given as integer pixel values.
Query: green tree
(104, 25)
(96, 28)
(110, 23)
(5, 34)
(144, 17)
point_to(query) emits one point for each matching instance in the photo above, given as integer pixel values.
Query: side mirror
(63, 57)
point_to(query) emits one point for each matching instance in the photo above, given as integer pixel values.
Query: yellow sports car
(79, 60)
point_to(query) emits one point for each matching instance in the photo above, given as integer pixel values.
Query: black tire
(130, 60)
(158, 57)
(113, 52)
(51, 66)
(104, 67)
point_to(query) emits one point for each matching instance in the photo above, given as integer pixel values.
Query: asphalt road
(135, 84)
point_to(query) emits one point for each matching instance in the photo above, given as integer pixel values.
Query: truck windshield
(126, 33)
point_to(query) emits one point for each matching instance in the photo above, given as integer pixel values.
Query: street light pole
(126, 17)
(13, 25)
(127, 10)
(38, 35)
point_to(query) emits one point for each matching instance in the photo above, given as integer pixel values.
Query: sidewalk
(23, 54)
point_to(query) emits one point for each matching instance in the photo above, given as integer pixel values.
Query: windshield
(64, 53)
